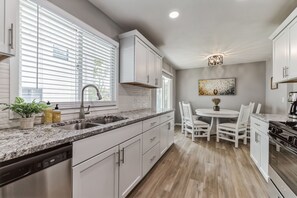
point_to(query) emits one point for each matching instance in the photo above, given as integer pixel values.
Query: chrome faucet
(82, 112)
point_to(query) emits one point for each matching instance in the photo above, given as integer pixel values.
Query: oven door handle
(289, 149)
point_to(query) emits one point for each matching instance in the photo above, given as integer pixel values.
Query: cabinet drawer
(150, 158)
(151, 123)
(259, 125)
(89, 147)
(167, 116)
(150, 138)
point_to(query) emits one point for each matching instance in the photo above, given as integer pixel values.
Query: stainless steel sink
(107, 119)
(79, 126)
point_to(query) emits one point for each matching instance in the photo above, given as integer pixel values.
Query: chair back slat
(252, 106)
(244, 115)
(258, 108)
(187, 110)
(181, 110)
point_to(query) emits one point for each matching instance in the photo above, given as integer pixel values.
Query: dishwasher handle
(25, 167)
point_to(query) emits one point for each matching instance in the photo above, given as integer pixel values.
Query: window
(58, 57)
(164, 94)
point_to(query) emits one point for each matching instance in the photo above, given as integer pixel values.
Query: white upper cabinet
(285, 50)
(280, 57)
(8, 15)
(140, 61)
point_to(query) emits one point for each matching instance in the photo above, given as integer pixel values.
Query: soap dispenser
(56, 114)
(48, 114)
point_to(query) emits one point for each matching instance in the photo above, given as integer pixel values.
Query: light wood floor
(203, 169)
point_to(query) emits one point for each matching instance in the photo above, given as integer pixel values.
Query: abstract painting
(217, 87)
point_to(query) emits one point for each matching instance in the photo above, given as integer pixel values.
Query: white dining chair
(196, 127)
(248, 133)
(258, 108)
(182, 117)
(234, 131)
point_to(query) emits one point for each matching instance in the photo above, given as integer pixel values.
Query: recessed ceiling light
(173, 14)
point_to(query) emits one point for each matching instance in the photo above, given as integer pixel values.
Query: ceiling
(239, 29)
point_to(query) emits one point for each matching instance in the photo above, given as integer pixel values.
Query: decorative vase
(27, 123)
(216, 102)
(216, 108)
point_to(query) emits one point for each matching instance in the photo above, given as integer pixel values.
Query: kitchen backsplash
(130, 98)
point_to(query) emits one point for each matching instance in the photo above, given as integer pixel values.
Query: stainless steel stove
(282, 159)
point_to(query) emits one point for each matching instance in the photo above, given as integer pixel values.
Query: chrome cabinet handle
(257, 124)
(123, 155)
(152, 139)
(147, 78)
(283, 72)
(153, 123)
(152, 159)
(118, 158)
(169, 125)
(11, 39)
(286, 71)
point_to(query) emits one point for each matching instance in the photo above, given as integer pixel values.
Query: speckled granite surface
(270, 117)
(15, 143)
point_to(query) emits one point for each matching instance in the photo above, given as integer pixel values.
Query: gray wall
(276, 100)
(250, 85)
(85, 11)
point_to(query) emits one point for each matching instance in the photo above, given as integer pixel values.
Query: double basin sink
(93, 122)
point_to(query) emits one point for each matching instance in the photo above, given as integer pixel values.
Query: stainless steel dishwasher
(43, 175)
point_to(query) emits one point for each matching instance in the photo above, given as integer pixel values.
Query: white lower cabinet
(111, 164)
(259, 145)
(150, 158)
(98, 176)
(166, 135)
(130, 165)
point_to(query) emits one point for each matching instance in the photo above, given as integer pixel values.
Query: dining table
(215, 116)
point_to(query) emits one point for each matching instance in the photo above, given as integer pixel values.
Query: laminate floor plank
(203, 169)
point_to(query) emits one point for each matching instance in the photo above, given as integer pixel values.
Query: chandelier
(214, 60)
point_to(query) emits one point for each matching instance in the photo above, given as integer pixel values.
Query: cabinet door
(130, 165)
(151, 68)
(280, 56)
(254, 146)
(97, 177)
(293, 49)
(2, 26)
(164, 137)
(158, 71)
(264, 155)
(8, 13)
(141, 61)
(170, 133)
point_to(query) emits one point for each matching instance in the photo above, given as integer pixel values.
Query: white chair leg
(245, 137)
(193, 138)
(236, 141)
(182, 128)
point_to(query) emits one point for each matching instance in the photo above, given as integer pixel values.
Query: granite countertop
(16, 143)
(271, 117)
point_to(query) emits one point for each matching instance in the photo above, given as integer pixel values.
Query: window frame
(15, 68)
(166, 75)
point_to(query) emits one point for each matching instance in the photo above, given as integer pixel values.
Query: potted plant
(27, 111)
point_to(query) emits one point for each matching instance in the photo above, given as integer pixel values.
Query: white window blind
(57, 58)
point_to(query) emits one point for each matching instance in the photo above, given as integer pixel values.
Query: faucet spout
(82, 111)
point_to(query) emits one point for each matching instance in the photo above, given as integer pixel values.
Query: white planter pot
(27, 123)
